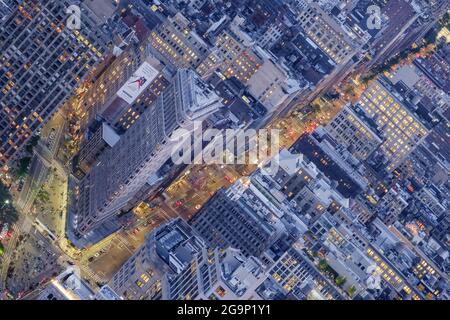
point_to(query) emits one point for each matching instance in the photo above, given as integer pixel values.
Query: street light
(5, 203)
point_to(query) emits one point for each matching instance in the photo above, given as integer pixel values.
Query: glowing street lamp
(5, 203)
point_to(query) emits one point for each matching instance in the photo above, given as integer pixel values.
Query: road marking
(8, 255)
(91, 274)
(122, 242)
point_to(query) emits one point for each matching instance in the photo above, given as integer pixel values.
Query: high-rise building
(401, 129)
(106, 293)
(174, 264)
(177, 44)
(432, 199)
(238, 60)
(136, 94)
(271, 35)
(326, 34)
(271, 84)
(307, 189)
(327, 156)
(5, 8)
(441, 231)
(98, 95)
(391, 276)
(240, 276)
(102, 137)
(237, 218)
(237, 56)
(299, 277)
(110, 78)
(66, 286)
(41, 63)
(318, 197)
(362, 210)
(107, 96)
(128, 168)
(295, 172)
(391, 205)
(352, 130)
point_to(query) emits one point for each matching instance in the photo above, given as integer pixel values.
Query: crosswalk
(90, 274)
(123, 242)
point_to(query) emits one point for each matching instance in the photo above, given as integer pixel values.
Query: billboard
(138, 82)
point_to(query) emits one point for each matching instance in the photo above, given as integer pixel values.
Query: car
(20, 185)
(178, 204)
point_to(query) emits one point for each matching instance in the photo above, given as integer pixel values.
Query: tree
(367, 78)
(349, 90)
(351, 291)
(340, 280)
(323, 265)
(315, 108)
(32, 143)
(8, 213)
(22, 170)
(43, 195)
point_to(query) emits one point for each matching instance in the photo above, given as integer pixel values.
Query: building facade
(326, 34)
(177, 44)
(174, 264)
(41, 63)
(131, 165)
(224, 222)
(299, 277)
(401, 129)
(348, 128)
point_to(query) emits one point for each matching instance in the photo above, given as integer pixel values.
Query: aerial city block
(224, 150)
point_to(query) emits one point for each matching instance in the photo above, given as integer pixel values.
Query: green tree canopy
(340, 281)
(323, 265)
(23, 165)
(8, 213)
(32, 143)
(351, 291)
